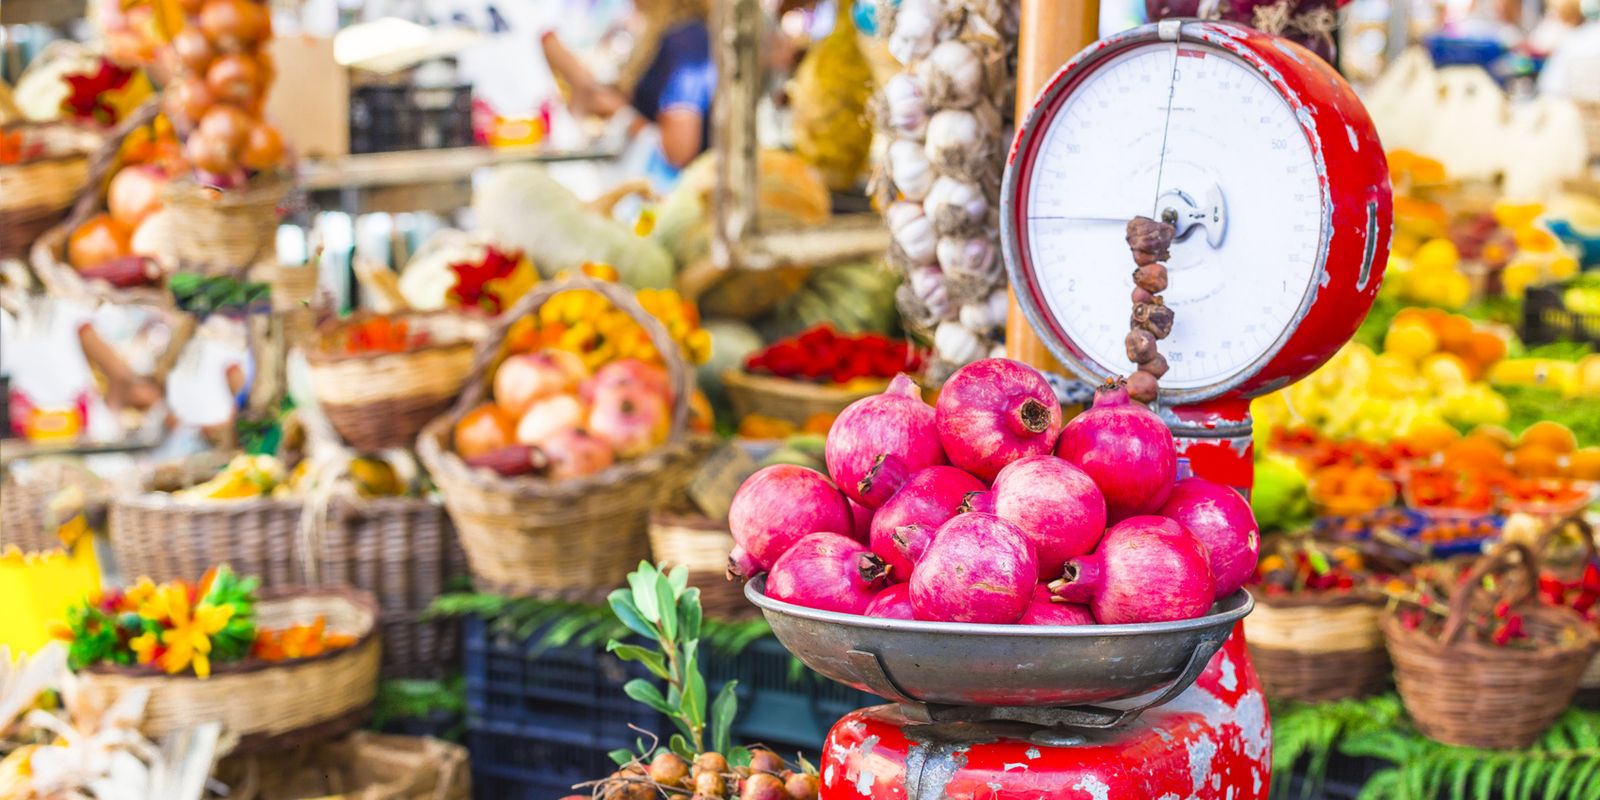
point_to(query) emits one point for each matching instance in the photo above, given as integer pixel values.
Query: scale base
(1213, 742)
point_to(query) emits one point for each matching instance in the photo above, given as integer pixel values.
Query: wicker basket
(361, 766)
(25, 498)
(576, 538)
(380, 400)
(404, 551)
(294, 293)
(36, 194)
(701, 544)
(225, 232)
(1315, 648)
(795, 401)
(1471, 694)
(267, 705)
(49, 255)
(165, 537)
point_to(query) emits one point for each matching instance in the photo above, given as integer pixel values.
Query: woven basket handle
(1585, 532)
(105, 158)
(621, 297)
(1497, 562)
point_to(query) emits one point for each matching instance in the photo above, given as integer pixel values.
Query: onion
(482, 430)
(194, 50)
(98, 240)
(234, 79)
(135, 193)
(994, 411)
(263, 150)
(188, 100)
(209, 155)
(877, 442)
(226, 123)
(231, 25)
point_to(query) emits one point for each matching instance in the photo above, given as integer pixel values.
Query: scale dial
(1262, 157)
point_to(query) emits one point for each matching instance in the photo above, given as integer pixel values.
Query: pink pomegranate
(978, 501)
(995, 411)
(548, 416)
(826, 571)
(929, 498)
(1222, 520)
(978, 568)
(891, 602)
(1126, 449)
(575, 454)
(861, 527)
(525, 378)
(878, 442)
(911, 541)
(633, 419)
(1044, 609)
(1147, 569)
(776, 507)
(628, 372)
(1056, 504)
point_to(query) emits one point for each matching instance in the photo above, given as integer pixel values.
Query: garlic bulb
(967, 258)
(955, 205)
(998, 351)
(987, 315)
(906, 110)
(927, 284)
(956, 344)
(916, 25)
(953, 75)
(912, 231)
(959, 142)
(909, 169)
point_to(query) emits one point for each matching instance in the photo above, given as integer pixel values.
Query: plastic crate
(1546, 318)
(782, 704)
(511, 763)
(512, 684)
(386, 118)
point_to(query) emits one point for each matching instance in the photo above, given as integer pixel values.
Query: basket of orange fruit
(578, 416)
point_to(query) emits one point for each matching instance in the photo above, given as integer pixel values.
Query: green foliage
(203, 295)
(1530, 404)
(419, 699)
(1565, 763)
(233, 642)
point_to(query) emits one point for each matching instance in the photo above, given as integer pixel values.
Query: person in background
(668, 79)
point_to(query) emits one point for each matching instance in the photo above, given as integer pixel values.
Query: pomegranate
(776, 507)
(1222, 520)
(861, 519)
(826, 571)
(575, 454)
(135, 193)
(892, 602)
(483, 429)
(877, 442)
(978, 568)
(1126, 449)
(994, 411)
(911, 541)
(1045, 609)
(978, 501)
(1056, 504)
(1147, 569)
(629, 372)
(528, 377)
(547, 417)
(929, 498)
(98, 240)
(633, 419)
(150, 238)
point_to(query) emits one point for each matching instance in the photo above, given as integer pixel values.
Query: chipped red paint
(1212, 743)
(1352, 171)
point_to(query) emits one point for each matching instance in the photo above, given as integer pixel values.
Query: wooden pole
(1052, 31)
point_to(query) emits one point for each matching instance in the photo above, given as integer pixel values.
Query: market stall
(792, 400)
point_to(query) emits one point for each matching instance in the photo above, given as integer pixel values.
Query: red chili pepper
(1552, 590)
(1585, 601)
(1512, 629)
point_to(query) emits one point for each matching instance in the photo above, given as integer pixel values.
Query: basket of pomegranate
(1314, 635)
(818, 372)
(380, 378)
(994, 525)
(225, 217)
(277, 668)
(566, 434)
(1480, 660)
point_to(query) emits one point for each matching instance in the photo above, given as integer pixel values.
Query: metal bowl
(944, 667)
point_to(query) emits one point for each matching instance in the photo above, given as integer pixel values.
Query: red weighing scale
(1270, 169)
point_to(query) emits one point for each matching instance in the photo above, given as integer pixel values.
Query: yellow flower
(144, 646)
(189, 639)
(137, 595)
(164, 602)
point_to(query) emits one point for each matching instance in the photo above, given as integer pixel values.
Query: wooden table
(419, 180)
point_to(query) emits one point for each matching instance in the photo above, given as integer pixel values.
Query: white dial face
(1235, 164)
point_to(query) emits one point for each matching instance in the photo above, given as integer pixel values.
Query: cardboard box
(310, 99)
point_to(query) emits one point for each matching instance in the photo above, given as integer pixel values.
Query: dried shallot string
(1151, 321)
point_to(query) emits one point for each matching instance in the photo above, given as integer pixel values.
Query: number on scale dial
(1191, 129)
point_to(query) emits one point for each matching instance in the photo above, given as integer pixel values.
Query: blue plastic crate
(782, 705)
(514, 763)
(511, 683)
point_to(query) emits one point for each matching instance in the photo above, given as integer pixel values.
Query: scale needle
(1166, 127)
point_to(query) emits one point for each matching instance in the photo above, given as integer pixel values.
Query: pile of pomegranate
(551, 417)
(986, 508)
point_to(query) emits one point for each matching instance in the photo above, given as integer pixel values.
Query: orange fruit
(1584, 464)
(1455, 333)
(1496, 434)
(1485, 348)
(1536, 461)
(484, 429)
(1433, 437)
(1556, 437)
(1475, 453)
